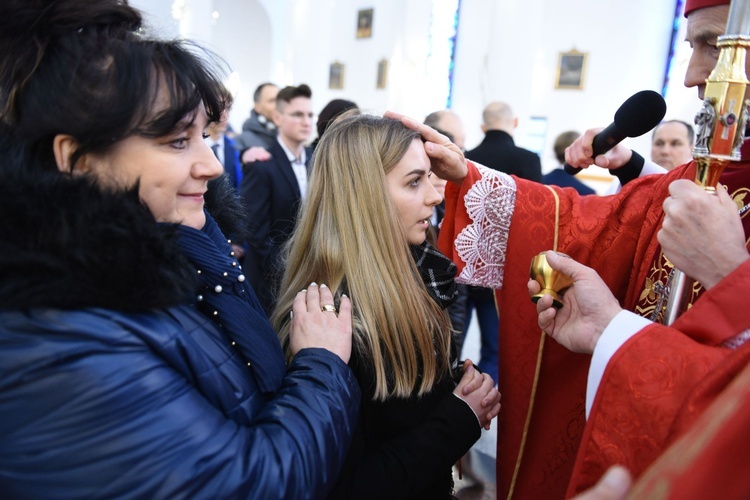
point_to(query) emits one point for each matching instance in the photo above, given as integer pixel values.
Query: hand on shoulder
(316, 323)
(254, 154)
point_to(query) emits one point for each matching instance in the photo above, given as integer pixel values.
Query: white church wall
(506, 50)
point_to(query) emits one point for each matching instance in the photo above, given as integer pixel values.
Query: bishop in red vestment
(499, 223)
(494, 225)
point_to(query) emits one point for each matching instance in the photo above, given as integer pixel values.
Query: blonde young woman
(362, 232)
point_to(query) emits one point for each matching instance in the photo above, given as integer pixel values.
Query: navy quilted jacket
(107, 390)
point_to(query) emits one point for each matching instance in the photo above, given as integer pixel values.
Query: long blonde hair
(349, 237)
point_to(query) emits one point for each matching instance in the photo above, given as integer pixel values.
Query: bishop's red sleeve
(660, 381)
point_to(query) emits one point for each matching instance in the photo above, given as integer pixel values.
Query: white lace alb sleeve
(483, 244)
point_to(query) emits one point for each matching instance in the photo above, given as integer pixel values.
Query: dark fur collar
(65, 244)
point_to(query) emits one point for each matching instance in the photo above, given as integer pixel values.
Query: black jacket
(406, 448)
(499, 152)
(271, 195)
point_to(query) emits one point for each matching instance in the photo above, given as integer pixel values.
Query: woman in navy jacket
(134, 359)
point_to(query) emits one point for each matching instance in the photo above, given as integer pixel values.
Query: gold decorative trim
(538, 365)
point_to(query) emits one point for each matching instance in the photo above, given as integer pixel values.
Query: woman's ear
(63, 147)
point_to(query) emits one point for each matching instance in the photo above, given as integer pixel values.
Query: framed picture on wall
(571, 70)
(336, 76)
(382, 74)
(364, 23)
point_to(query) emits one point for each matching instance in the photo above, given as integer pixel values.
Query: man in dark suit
(497, 151)
(226, 152)
(224, 147)
(273, 191)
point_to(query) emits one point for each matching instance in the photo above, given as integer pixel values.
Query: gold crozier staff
(721, 124)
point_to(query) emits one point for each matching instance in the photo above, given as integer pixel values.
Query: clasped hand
(478, 391)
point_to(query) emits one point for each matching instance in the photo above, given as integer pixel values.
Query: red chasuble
(711, 459)
(615, 235)
(661, 380)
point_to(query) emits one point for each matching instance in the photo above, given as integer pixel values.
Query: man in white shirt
(273, 190)
(224, 147)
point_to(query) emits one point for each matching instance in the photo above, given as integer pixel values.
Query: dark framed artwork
(571, 70)
(382, 79)
(364, 23)
(336, 76)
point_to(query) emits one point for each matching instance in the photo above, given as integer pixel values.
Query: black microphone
(639, 114)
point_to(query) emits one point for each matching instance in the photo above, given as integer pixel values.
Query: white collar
(291, 156)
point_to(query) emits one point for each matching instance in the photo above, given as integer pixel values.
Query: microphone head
(640, 113)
